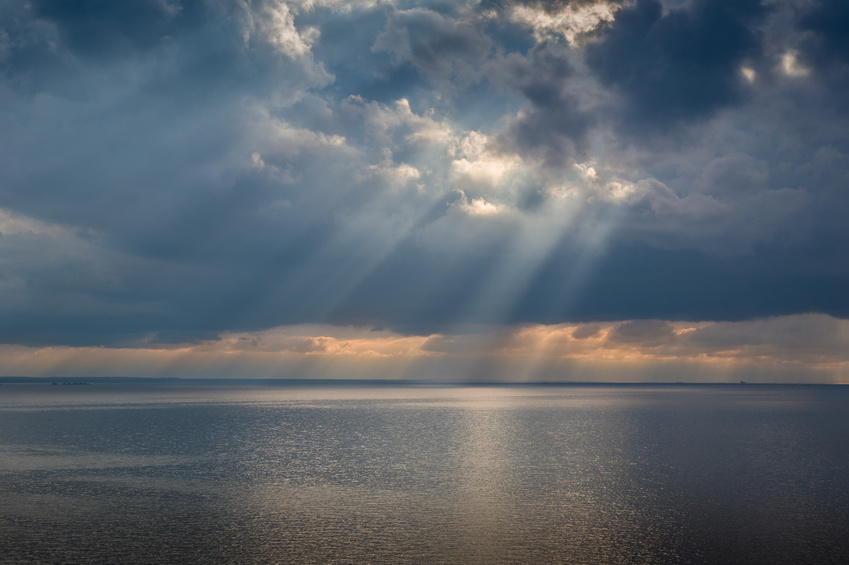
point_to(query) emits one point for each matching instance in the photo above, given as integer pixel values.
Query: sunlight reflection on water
(121, 473)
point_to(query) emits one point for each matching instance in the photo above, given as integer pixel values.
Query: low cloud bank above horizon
(202, 186)
(783, 349)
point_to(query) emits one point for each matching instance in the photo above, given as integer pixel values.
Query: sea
(275, 472)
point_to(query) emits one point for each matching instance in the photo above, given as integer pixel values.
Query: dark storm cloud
(344, 47)
(828, 21)
(824, 48)
(628, 282)
(127, 147)
(101, 28)
(553, 127)
(437, 46)
(137, 126)
(678, 65)
(172, 170)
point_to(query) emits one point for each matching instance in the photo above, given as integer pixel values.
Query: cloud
(680, 64)
(102, 29)
(567, 19)
(478, 206)
(440, 47)
(644, 332)
(804, 340)
(586, 331)
(722, 222)
(827, 20)
(478, 161)
(180, 172)
(803, 348)
(553, 128)
(813, 338)
(791, 67)
(275, 24)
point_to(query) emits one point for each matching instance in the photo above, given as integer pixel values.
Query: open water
(128, 473)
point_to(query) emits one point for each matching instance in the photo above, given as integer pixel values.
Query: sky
(578, 190)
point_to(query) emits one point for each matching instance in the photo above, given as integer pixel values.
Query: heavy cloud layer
(174, 170)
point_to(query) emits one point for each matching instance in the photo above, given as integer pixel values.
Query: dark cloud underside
(175, 170)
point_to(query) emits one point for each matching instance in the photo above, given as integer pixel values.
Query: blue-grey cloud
(553, 127)
(679, 64)
(174, 170)
(432, 43)
(828, 21)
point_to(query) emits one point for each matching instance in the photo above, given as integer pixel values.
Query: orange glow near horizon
(604, 351)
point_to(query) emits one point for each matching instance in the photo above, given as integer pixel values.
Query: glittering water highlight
(577, 474)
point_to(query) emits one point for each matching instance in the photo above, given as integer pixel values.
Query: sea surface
(199, 473)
